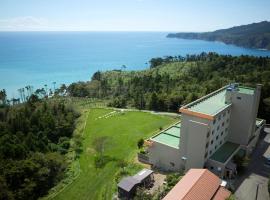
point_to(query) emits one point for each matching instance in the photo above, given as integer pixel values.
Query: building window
(228, 111)
(210, 152)
(207, 144)
(206, 154)
(219, 117)
(222, 124)
(172, 164)
(216, 147)
(224, 114)
(239, 98)
(217, 137)
(220, 142)
(218, 127)
(213, 132)
(222, 133)
(227, 120)
(211, 141)
(208, 133)
(214, 121)
(211, 167)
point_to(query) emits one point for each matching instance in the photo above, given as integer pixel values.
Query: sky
(130, 15)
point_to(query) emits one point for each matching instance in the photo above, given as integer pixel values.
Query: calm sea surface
(38, 58)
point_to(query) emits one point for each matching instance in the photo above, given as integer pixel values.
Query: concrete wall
(164, 157)
(255, 105)
(217, 167)
(243, 116)
(193, 141)
(219, 129)
(253, 142)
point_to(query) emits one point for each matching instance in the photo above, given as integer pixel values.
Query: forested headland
(34, 136)
(256, 35)
(174, 81)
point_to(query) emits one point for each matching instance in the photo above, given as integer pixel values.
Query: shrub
(140, 143)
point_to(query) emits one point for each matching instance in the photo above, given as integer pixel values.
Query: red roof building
(198, 184)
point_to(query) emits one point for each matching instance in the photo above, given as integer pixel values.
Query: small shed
(145, 177)
(128, 185)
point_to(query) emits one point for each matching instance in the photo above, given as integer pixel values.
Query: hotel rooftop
(170, 136)
(225, 152)
(210, 105)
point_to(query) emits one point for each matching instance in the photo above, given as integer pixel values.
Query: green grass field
(123, 132)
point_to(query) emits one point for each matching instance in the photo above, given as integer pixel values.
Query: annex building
(212, 130)
(199, 184)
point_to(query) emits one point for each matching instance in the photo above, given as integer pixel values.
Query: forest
(34, 136)
(171, 82)
(256, 35)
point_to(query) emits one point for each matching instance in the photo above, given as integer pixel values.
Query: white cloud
(23, 23)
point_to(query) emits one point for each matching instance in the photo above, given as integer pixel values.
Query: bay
(39, 58)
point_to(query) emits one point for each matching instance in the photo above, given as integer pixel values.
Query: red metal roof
(222, 194)
(197, 184)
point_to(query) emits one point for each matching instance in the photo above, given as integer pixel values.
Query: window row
(216, 146)
(213, 131)
(219, 117)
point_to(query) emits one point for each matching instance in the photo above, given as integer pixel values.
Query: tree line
(256, 35)
(34, 136)
(174, 81)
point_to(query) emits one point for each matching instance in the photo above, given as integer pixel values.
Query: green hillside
(173, 81)
(256, 35)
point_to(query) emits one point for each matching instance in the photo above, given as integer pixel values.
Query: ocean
(39, 58)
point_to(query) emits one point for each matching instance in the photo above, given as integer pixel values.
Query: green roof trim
(170, 136)
(178, 125)
(246, 90)
(224, 152)
(211, 105)
(174, 130)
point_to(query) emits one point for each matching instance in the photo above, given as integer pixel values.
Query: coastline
(39, 59)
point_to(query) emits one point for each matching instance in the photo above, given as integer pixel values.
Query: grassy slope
(124, 131)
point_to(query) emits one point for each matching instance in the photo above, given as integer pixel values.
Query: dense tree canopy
(177, 81)
(33, 136)
(256, 35)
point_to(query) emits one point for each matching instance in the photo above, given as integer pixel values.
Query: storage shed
(128, 185)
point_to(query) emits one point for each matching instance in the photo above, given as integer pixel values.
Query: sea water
(39, 58)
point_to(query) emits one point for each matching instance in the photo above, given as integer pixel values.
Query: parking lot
(253, 184)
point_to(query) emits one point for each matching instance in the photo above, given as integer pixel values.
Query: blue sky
(129, 15)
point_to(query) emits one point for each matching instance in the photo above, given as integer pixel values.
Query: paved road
(253, 184)
(150, 111)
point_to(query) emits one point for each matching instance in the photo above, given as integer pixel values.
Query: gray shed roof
(141, 175)
(128, 183)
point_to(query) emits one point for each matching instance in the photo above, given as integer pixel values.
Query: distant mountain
(256, 35)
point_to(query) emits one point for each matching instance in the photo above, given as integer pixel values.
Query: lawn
(122, 132)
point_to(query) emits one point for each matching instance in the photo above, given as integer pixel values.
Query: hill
(174, 81)
(256, 35)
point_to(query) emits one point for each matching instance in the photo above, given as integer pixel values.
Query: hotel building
(212, 130)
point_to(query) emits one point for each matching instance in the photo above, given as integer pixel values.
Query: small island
(256, 35)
